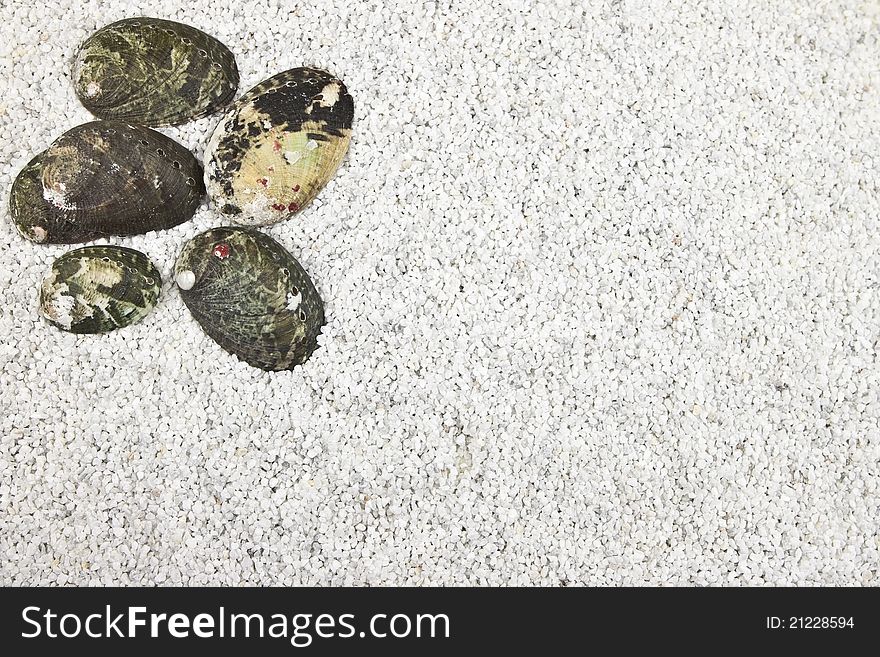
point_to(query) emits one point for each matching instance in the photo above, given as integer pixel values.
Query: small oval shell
(105, 178)
(251, 296)
(153, 72)
(278, 146)
(97, 289)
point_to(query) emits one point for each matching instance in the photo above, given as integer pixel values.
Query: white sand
(603, 294)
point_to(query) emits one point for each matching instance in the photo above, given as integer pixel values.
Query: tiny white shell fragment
(186, 279)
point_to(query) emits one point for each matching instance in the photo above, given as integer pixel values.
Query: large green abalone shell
(153, 72)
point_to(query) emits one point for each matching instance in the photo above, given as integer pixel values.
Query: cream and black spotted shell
(251, 296)
(105, 178)
(97, 289)
(153, 72)
(278, 146)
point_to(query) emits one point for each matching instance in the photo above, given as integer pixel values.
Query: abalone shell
(153, 72)
(278, 146)
(251, 296)
(97, 289)
(105, 178)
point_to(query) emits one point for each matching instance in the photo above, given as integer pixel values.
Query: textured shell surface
(153, 72)
(278, 146)
(97, 289)
(105, 178)
(250, 296)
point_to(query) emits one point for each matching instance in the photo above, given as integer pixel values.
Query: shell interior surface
(153, 72)
(278, 146)
(105, 178)
(251, 296)
(97, 289)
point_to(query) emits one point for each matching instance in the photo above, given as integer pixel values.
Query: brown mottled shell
(153, 72)
(251, 296)
(278, 146)
(105, 178)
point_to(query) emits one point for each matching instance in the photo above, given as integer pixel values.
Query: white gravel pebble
(602, 282)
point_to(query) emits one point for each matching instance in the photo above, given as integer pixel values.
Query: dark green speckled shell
(278, 146)
(251, 296)
(105, 178)
(97, 289)
(153, 72)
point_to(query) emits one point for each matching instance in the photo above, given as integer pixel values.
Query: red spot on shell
(278, 206)
(276, 146)
(293, 207)
(296, 189)
(263, 181)
(221, 250)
